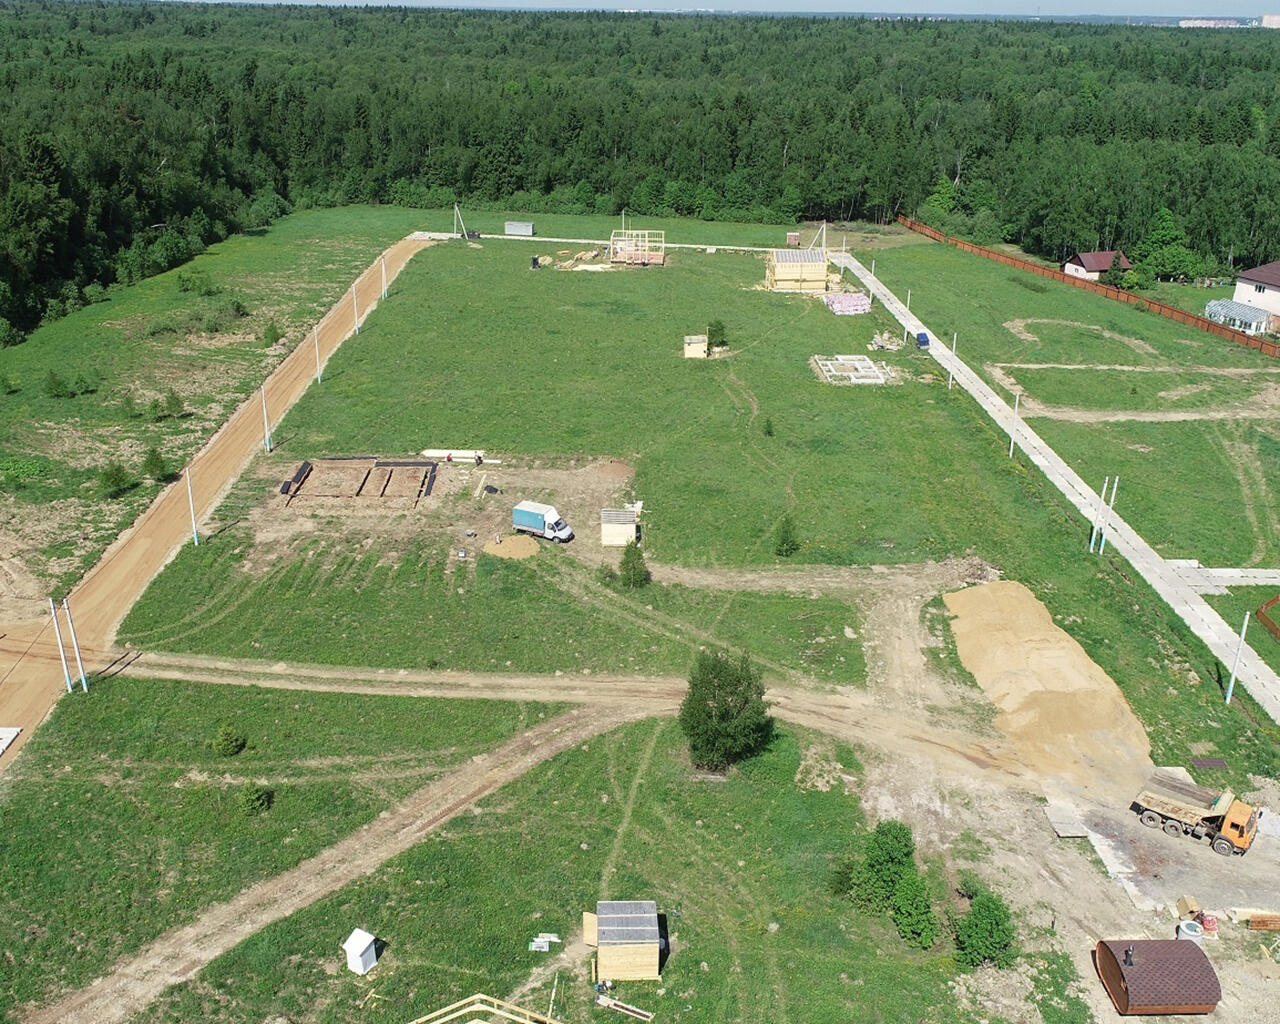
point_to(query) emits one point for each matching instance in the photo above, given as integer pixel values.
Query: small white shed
(618, 527)
(362, 952)
(696, 346)
(519, 227)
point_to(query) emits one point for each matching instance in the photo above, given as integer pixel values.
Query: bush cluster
(985, 934)
(227, 742)
(253, 799)
(886, 881)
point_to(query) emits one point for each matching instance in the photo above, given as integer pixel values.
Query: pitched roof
(626, 922)
(1097, 262)
(1268, 273)
(1166, 972)
(799, 256)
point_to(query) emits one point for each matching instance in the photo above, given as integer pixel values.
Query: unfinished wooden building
(796, 270)
(626, 934)
(638, 248)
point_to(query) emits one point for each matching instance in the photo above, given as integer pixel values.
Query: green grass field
(1168, 469)
(140, 343)
(623, 817)
(120, 820)
(558, 364)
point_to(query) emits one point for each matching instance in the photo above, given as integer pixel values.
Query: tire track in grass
(182, 952)
(619, 837)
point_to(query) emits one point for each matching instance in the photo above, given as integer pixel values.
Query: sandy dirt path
(179, 954)
(30, 673)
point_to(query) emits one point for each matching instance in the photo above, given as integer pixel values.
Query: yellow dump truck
(1181, 808)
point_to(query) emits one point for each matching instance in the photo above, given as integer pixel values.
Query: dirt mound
(1067, 719)
(614, 469)
(519, 546)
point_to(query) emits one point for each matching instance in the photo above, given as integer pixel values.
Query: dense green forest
(132, 135)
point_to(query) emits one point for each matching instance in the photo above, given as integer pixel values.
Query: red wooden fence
(1269, 348)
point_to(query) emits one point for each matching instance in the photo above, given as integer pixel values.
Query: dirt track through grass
(180, 954)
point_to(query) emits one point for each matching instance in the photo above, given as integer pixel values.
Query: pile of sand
(519, 546)
(1066, 718)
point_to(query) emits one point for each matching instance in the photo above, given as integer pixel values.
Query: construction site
(579, 864)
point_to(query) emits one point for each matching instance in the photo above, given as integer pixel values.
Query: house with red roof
(1092, 265)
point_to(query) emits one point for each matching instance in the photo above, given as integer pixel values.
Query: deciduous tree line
(132, 135)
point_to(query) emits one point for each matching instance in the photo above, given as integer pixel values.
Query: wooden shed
(797, 270)
(626, 934)
(696, 346)
(1157, 976)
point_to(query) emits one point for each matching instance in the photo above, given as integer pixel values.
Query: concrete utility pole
(315, 334)
(57, 631)
(384, 275)
(75, 645)
(1013, 427)
(355, 307)
(951, 369)
(1235, 666)
(1106, 516)
(266, 423)
(1097, 516)
(191, 504)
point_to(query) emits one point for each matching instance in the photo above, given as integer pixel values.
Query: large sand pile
(1067, 719)
(519, 546)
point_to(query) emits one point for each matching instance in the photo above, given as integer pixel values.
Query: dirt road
(30, 673)
(180, 954)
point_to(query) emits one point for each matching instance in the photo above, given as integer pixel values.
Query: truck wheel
(1172, 828)
(1151, 819)
(1223, 847)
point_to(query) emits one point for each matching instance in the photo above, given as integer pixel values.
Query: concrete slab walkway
(1167, 580)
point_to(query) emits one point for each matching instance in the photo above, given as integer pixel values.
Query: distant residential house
(1092, 265)
(1260, 287)
(1240, 315)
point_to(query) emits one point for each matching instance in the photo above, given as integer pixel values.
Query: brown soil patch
(1065, 716)
(519, 546)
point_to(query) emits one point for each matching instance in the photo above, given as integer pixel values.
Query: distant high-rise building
(1209, 23)
(1271, 21)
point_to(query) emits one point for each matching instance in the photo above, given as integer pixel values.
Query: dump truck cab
(1240, 824)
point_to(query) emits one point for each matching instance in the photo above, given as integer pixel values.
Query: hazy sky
(1163, 8)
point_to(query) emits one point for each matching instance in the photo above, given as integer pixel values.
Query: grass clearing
(870, 475)
(129, 351)
(1165, 468)
(739, 867)
(120, 820)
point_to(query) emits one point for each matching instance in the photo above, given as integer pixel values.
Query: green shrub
(608, 575)
(270, 334)
(227, 742)
(768, 427)
(716, 334)
(843, 876)
(985, 934)
(968, 884)
(196, 282)
(912, 911)
(154, 413)
(253, 799)
(114, 479)
(785, 541)
(633, 573)
(8, 385)
(724, 715)
(57, 386)
(153, 465)
(173, 406)
(128, 405)
(889, 851)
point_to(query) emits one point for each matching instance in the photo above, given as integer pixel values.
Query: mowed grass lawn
(739, 867)
(1172, 473)
(145, 340)
(119, 820)
(475, 349)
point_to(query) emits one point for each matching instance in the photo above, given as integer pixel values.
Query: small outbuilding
(362, 951)
(696, 346)
(618, 527)
(1157, 976)
(1239, 315)
(1092, 265)
(519, 227)
(797, 270)
(627, 936)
